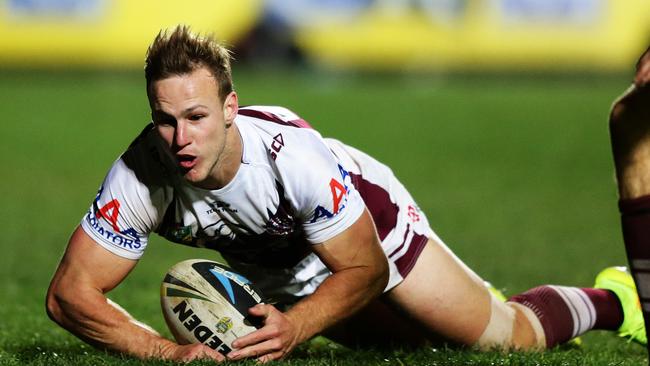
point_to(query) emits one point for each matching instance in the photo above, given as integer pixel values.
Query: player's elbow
(53, 306)
(56, 299)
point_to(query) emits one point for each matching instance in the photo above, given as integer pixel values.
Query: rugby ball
(206, 302)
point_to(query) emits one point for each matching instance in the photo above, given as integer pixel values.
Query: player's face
(197, 127)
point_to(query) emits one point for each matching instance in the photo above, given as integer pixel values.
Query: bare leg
(443, 295)
(630, 134)
(380, 325)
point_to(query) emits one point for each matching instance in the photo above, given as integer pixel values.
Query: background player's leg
(448, 298)
(630, 135)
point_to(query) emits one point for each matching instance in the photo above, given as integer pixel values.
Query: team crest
(182, 233)
(224, 325)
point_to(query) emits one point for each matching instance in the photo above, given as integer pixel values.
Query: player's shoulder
(273, 116)
(279, 133)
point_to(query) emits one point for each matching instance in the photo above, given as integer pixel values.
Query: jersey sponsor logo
(276, 146)
(127, 238)
(220, 206)
(340, 191)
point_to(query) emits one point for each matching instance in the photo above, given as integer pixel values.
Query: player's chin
(193, 176)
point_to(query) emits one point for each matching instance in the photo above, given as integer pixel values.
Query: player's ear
(230, 107)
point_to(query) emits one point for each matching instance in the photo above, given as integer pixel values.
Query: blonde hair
(181, 52)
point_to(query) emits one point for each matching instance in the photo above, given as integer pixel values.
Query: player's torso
(250, 220)
(292, 189)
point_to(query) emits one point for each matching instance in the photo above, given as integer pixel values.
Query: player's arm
(359, 274)
(76, 300)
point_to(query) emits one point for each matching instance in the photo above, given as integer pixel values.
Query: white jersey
(293, 189)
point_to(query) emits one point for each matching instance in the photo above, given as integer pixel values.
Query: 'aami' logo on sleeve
(110, 212)
(339, 197)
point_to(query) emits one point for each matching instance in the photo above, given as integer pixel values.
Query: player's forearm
(338, 297)
(89, 315)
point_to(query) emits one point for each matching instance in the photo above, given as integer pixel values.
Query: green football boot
(495, 291)
(620, 282)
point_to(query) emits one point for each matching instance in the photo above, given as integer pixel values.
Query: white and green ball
(206, 302)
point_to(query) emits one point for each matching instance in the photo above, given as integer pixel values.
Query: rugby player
(322, 228)
(630, 134)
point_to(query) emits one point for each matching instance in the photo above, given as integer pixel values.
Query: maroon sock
(609, 312)
(567, 312)
(552, 312)
(635, 221)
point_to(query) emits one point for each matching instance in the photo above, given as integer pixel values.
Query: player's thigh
(379, 325)
(444, 295)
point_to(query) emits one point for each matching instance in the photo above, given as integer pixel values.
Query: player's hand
(276, 339)
(191, 352)
(642, 77)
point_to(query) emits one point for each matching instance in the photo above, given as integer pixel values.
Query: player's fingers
(212, 354)
(256, 350)
(261, 310)
(200, 351)
(257, 336)
(270, 357)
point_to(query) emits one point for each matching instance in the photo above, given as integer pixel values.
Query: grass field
(514, 174)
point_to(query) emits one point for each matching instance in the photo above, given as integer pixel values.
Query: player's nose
(182, 134)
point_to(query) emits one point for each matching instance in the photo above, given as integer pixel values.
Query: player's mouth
(186, 161)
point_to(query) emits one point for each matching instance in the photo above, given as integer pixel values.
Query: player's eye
(196, 117)
(163, 119)
(164, 122)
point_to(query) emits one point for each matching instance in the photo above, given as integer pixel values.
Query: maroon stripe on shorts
(384, 213)
(267, 116)
(406, 234)
(406, 262)
(382, 209)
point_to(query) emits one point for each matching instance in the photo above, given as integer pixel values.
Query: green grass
(514, 173)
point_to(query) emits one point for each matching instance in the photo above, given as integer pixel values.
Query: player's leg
(443, 294)
(448, 298)
(630, 134)
(379, 325)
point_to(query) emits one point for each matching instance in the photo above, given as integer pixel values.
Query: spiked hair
(180, 52)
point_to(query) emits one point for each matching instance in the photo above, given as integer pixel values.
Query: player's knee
(498, 332)
(511, 326)
(629, 107)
